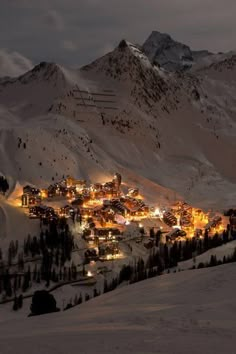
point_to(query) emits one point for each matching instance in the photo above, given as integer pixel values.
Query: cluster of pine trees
(53, 248)
(179, 251)
(4, 186)
(168, 256)
(215, 262)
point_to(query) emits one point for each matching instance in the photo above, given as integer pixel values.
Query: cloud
(54, 20)
(106, 49)
(13, 64)
(69, 45)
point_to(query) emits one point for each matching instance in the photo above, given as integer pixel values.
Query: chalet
(91, 254)
(169, 218)
(25, 200)
(213, 223)
(67, 211)
(42, 211)
(110, 190)
(31, 190)
(133, 192)
(28, 200)
(107, 234)
(119, 207)
(186, 218)
(109, 249)
(78, 201)
(77, 184)
(97, 187)
(57, 190)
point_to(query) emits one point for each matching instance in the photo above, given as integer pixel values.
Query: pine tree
(76, 300)
(35, 273)
(15, 304)
(87, 297)
(25, 285)
(206, 241)
(15, 284)
(80, 300)
(213, 261)
(38, 277)
(105, 286)
(152, 233)
(9, 289)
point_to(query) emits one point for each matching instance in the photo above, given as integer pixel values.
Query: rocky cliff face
(171, 55)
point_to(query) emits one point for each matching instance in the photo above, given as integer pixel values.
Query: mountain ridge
(121, 112)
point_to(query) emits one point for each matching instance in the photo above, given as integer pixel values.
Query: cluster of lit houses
(186, 220)
(104, 210)
(100, 199)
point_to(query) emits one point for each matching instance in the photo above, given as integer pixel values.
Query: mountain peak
(44, 71)
(123, 61)
(168, 53)
(44, 65)
(123, 44)
(158, 34)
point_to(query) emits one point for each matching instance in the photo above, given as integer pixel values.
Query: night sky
(74, 32)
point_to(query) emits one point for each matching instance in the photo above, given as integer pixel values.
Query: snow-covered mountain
(168, 133)
(171, 55)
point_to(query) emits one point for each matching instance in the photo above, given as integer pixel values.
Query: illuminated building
(117, 181)
(25, 200)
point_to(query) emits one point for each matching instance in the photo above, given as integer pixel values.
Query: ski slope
(182, 313)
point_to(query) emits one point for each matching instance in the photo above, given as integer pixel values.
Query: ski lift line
(90, 105)
(102, 94)
(84, 98)
(96, 93)
(97, 101)
(105, 101)
(85, 105)
(113, 108)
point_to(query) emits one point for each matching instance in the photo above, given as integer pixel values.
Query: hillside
(177, 313)
(171, 134)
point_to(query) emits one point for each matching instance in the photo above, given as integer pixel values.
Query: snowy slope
(179, 313)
